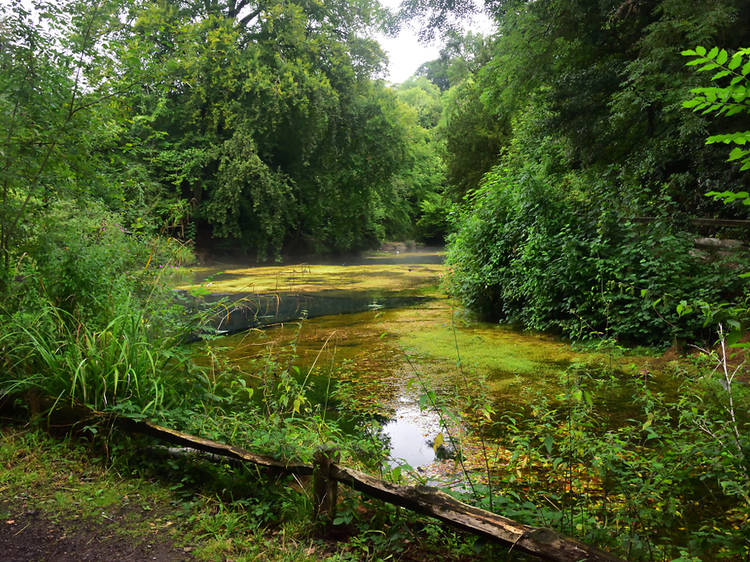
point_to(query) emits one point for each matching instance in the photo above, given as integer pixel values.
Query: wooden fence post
(325, 489)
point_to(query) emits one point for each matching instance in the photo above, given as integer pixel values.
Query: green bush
(557, 250)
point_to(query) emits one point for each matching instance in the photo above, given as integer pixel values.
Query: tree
(52, 109)
(271, 127)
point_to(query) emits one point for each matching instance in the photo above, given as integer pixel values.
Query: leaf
(438, 442)
(723, 56)
(739, 93)
(734, 337)
(548, 442)
(700, 50)
(396, 473)
(712, 53)
(736, 154)
(735, 62)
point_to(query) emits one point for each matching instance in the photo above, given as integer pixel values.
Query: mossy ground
(64, 484)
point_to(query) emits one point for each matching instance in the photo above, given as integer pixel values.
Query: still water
(393, 335)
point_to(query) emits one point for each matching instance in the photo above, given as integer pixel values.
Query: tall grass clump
(118, 368)
(88, 319)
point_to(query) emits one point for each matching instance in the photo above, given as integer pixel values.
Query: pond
(394, 337)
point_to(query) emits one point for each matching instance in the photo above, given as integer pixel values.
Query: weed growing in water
(650, 465)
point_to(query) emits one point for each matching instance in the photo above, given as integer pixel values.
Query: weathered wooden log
(544, 543)
(325, 488)
(719, 243)
(187, 440)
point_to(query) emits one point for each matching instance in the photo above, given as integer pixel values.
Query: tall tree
(268, 120)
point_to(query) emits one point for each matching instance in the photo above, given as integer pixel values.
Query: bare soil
(34, 536)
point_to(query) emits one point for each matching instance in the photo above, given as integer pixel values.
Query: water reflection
(410, 433)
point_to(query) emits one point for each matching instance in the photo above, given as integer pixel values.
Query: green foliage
(534, 246)
(663, 473)
(52, 117)
(434, 217)
(89, 319)
(116, 369)
(461, 56)
(472, 137)
(421, 179)
(728, 101)
(282, 141)
(593, 139)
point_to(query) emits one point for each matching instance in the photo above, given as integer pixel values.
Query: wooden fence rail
(699, 221)
(540, 542)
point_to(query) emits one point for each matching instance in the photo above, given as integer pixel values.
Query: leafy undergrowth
(63, 499)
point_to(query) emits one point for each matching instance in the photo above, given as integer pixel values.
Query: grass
(209, 511)
(63, 482)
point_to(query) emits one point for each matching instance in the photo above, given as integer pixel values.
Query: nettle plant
(731, 99)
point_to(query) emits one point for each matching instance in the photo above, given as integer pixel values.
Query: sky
(406, 53)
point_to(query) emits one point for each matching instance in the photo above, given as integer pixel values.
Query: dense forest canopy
(267, 128)
(252, 127)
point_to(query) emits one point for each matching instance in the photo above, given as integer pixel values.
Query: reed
(120, 367)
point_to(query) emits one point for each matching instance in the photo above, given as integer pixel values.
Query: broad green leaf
(438, 441)
(548, 442)
(700, 50)
(723, 56)
(733, 337)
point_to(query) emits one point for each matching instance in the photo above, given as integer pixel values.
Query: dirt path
(33, 536)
